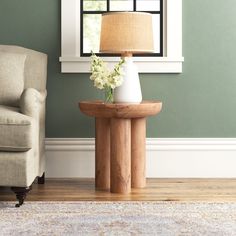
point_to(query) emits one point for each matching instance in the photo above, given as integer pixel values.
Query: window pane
(91, 32)
(148, 5)
(94, 5)
(156, 32)
(121, 5)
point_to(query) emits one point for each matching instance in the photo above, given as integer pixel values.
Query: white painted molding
(166, 158)
(71, 62)
(150, 65)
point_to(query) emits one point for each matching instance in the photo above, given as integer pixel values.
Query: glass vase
(108, 92)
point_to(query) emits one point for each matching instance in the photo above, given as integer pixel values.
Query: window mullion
(108, 5)
(81, 27)
(161, 27)
(135, 4)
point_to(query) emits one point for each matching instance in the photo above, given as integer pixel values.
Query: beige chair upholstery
(16, 130)
(22, 127)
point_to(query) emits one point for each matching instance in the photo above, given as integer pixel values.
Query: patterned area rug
(118, 218)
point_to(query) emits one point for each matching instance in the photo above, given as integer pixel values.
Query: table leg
(120, 155)
(138, 153)
(102, 154)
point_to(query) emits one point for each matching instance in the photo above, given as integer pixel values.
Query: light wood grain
(183, 190)
(138, 153)
(116, 119)
(102, 153)
(120, 110)
(120, 155)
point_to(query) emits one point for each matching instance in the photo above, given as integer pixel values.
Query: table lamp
(127, 33)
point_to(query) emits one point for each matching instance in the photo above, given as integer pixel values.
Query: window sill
(145, 64)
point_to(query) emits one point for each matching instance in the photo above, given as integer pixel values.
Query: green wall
(200, 102)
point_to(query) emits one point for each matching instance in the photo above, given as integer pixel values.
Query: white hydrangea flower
(99, 83)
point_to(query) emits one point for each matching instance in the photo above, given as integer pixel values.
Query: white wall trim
(166, 157)
(163, 144)
(70, 59)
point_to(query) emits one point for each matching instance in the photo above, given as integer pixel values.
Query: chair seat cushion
(16, 130)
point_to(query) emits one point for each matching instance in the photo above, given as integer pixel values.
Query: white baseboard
(166, 158)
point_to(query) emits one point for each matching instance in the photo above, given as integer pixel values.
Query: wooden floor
(217, 190)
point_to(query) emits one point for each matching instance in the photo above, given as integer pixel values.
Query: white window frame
(171, 62)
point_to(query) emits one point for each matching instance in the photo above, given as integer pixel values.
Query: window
(90, 21)
(80, 25)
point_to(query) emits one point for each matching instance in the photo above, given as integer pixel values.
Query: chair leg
(21, 193)
(41, 180)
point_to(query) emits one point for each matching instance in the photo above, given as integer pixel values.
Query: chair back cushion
(35, 66)
(12, 66)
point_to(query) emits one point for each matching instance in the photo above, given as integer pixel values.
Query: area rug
(118, 218)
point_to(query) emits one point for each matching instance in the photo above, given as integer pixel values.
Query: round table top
(120, 110)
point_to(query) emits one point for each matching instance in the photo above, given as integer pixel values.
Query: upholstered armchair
(23, 75)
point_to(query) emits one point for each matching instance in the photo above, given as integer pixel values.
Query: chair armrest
(31, 101)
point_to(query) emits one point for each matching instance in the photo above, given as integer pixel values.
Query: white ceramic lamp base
(130, 90)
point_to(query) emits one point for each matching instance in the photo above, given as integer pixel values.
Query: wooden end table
(120, 143)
